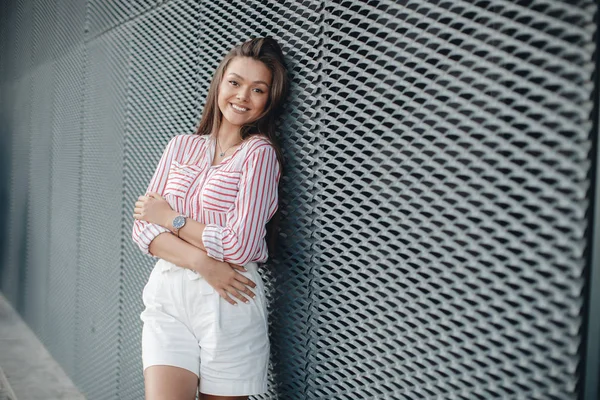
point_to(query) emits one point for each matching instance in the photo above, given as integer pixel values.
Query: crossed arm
(181, 253)
(187, 251)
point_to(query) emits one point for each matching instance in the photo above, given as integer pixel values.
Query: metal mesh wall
(435, 197)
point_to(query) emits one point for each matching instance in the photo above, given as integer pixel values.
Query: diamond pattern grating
(435, 198)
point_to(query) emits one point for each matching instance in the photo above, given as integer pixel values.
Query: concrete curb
(28, 368)
(6, 392)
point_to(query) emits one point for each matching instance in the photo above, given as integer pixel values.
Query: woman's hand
(226, 280)
(153, 208)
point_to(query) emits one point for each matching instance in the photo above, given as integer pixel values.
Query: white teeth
(238, 108)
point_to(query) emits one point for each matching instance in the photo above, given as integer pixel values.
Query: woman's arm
(191, 231)
(168, 247)
(220, 275)
(144, 232)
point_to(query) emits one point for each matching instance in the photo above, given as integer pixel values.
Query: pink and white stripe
(235, 199)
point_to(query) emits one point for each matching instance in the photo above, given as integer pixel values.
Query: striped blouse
(234, 199)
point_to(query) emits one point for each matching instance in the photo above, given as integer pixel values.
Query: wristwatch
(178, 223)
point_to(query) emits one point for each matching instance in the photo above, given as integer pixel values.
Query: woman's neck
(228, 135)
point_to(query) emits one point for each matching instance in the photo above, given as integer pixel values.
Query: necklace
(222, 153)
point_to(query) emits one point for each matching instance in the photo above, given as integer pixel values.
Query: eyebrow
(263, 82)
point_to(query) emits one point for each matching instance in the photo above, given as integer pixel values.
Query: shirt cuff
(148, 235)
(212, 238)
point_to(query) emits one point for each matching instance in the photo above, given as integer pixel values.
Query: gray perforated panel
(64, 203)
(435, 197)
(17, 43)
(100, 270)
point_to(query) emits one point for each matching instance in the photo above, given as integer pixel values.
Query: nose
(242, 94)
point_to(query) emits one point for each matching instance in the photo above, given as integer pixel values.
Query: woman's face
(244, 91)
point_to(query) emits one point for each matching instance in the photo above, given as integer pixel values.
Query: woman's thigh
(164, 382)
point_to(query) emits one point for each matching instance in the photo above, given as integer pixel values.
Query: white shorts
(188, 325)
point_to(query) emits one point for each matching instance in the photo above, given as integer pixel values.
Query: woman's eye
(235, 83)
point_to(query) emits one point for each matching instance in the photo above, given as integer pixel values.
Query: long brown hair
(267, 51)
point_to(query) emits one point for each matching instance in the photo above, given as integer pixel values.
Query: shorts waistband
(165, 266)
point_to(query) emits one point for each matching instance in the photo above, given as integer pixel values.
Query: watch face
(178, 221)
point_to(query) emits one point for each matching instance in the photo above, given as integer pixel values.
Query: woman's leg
(164, 382)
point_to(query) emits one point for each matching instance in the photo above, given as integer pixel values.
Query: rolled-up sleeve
(144, 232)
(242, 239)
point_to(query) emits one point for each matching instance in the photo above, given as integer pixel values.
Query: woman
(204, 216)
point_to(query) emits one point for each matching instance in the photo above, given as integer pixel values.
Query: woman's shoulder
(258, 142)
(259, 147)
(187, 140)
(185, 147)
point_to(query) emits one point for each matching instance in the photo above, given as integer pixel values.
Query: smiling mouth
(238, 108)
